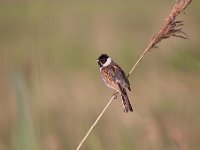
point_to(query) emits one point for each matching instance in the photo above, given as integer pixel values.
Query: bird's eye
(104, 60)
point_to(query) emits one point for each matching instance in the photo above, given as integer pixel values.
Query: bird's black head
(102, 59)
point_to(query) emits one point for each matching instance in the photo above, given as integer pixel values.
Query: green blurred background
(51, 90)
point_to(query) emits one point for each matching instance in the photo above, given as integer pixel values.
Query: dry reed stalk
(171, 28)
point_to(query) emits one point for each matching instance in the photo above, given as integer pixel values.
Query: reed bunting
(115, 78)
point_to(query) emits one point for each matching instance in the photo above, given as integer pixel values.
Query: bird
(115, 78)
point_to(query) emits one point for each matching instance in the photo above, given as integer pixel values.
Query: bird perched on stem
(115, 78)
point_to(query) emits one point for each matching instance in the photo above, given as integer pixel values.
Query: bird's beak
(97, 60)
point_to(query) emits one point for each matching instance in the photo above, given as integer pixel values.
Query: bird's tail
(125, 100)
(126, 103)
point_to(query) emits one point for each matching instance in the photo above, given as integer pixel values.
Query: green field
(50, 87)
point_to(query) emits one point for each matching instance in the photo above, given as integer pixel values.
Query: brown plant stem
(95, 122)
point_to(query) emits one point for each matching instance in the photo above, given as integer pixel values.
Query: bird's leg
(115, 95)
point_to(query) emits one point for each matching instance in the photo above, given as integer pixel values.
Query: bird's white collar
(108, 62)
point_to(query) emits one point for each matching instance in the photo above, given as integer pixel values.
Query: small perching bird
(115, 78)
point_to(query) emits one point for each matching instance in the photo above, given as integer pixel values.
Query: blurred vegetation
(51, 91)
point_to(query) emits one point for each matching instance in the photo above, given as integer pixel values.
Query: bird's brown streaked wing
(119, 71)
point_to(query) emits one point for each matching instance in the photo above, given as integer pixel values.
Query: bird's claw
(115, 95)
